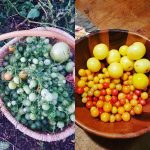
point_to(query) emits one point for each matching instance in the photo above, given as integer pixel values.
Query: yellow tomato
(93, 64)
(114, 110)
(125, 116)
(97, 93)
(105, 117)
(144, 95)
(123, 50)
(94, 112)
(140, 81)
(107, 107)
(100, 51)
(127, 107)
(121, 110)
(81, 83)
(112, 118)
(99, 103)
(82, 72)
(138, 109)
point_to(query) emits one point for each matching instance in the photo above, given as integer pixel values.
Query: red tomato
(89, 98)
(114, 99)
(100, 110)
(129, 96)
(94, 103)
(89, 104)
(105, 85)
(114, 92)
(79, 90)
(102, 98)
(117, 104)
(122, 101)
(137, 92)
(95, 99)
(142, 102)
(103, 92)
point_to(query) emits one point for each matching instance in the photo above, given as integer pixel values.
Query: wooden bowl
(84, 49)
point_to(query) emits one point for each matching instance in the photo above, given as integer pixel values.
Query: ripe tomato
(102, 98)
(142, 102)
(138, 109)
(89, 98)
(105, 117)
(100, 110)
(89, 104)
(94, 112)
(137, 92)
(105, 85)
(103, 92)
(114, 92)
(125, 116)
(129, 96)
(144, 95)
(94, 103)
(79, 90)
(95, 99)
(107, 107)
(117, 104)
(114, 99)
(126, 89)
(122, 101)
(99, 104)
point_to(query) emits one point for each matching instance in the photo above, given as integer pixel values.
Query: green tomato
(70, 66)
(26, 103)
(23, 59)
(32, 97)
(72, 117)
(60, 125)
(47, 62)
(35, 61)
(41, 63)
(13, 103)
(32, 116)
(29, 40)
(33, 84)
(9, 104)
(26, 89)
(53, 75)
(33, 126)
(46, 55)
(46, 41)
(45, 106)
(16, 80)
(60, 52)
(12, 85)
(48, 97)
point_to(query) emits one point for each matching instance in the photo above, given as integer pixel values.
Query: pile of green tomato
(34, 86)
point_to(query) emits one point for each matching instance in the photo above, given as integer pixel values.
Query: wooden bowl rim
(100, 133)
(111, 30)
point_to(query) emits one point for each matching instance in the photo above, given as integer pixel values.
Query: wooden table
(133, 15)
(118, 14)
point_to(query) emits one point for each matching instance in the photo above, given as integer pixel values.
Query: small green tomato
(32, 97)
(12, 85)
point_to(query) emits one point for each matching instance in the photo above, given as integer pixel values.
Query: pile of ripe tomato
(112, 99)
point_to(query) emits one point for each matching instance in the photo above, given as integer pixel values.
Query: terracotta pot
(84, 49)
(49, 32)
